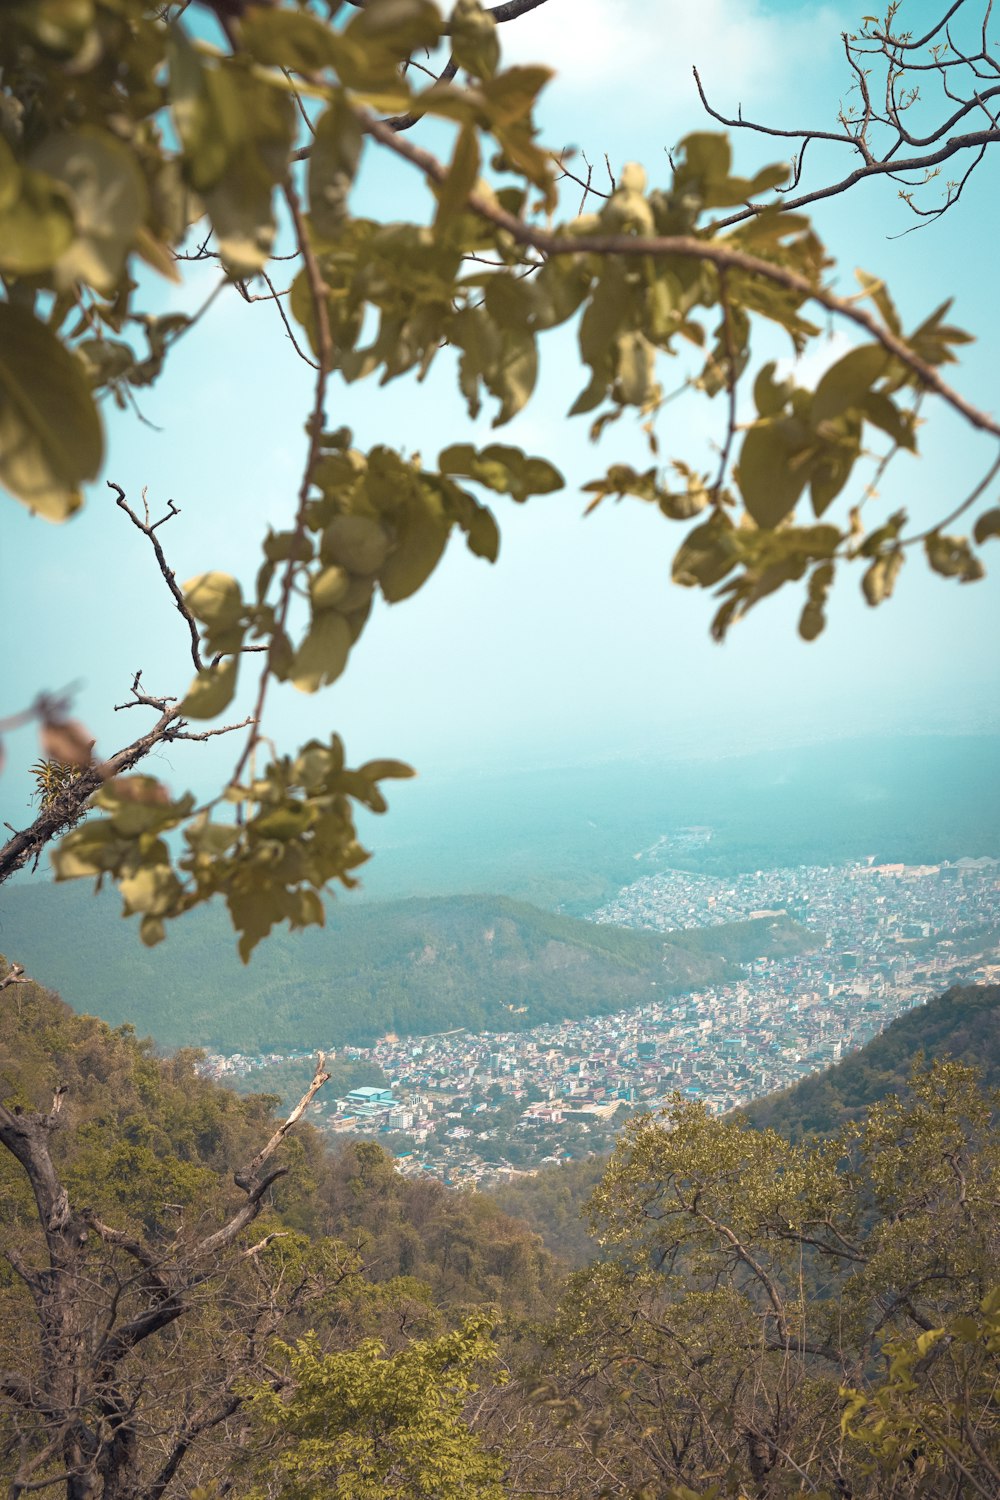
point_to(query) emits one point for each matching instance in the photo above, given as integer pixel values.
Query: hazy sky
(576, 645)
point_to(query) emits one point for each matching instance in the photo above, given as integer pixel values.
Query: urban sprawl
(471, 1108)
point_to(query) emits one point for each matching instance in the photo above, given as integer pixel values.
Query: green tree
(129, 144)
(785, 1319)
(364, 1424)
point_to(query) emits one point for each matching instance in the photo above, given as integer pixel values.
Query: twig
(324, 353)
(168, 572)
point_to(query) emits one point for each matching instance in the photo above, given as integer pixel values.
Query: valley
(477, 1107)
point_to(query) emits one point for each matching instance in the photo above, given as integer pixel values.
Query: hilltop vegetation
(413, 967)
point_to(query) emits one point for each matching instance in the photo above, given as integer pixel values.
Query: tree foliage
(366, 1425)
(130, 136)
(774, 1319)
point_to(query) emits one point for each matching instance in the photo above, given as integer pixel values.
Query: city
(472, 1108)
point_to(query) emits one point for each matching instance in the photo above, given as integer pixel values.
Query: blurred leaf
(333, 162)
(289, 39)
(880, 579)
(952, 557)
(107, 192)
(211, 691)
(214, 599)
(462, 176)
(987, 525)
(770, 395)
(506, 470)
(848, 383)
(768, 482)
(707, 553)
(322, 654)
(67, 743)
(36, 220)
(421, 540)
(50, 433)
(877, 290)
(474, 43)
(382, 770)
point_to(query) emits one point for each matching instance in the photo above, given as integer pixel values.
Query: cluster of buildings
(473, 1107)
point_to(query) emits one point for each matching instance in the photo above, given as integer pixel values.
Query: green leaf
(987, 525)
(328, 588)
(36, 221)
(211, 691)
(384, 770)
(474, 43)
(510, 96)
(206, 111)
(462, 176)
(703, 158)
(357, 543)
(707, 553)
(396, 28)
(50, 433)
(886, 415)
(847, 384)
(511, 378)
(153, 889)
(880, 579)
(240, 209)
(289, 39)
(771, 396)
(214, 599)
(108, 196)
(876, 288)
(506, 470)
(634, 383)
(152, 931)
(483, 534)
(322, 654)
(421, 540)
(333, 163)
(769, 483)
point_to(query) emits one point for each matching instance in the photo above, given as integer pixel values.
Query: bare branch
(148, 530)
(68, 805)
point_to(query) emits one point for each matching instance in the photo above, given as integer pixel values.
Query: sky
(575, 647)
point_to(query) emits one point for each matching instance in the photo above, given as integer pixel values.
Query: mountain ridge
(414, 967)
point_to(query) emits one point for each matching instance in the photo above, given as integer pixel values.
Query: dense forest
(753, 1310)
(412, 967)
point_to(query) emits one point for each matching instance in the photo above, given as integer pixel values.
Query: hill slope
(963, 1024)
(413, 967)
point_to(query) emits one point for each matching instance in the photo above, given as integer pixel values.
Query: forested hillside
(412, 967)
(963, 1024)
(145, 1138)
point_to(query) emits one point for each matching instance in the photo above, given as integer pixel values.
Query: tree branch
(722, 256)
